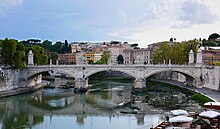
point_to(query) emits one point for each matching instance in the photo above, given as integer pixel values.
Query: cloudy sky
(139, 21)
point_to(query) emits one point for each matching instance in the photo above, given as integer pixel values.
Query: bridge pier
(140, 83)
(80, 85)
(197, 82)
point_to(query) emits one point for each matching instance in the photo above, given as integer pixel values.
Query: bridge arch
(184, 72)
(107, 69)
(48, 70)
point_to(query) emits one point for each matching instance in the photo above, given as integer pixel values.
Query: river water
(107, 105)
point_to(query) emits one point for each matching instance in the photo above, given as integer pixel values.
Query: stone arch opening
(120, 59)
(36, 78)
(176, 75)
(107, 73)
(50, 72)
(101, 70)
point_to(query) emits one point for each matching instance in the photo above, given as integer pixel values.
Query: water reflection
(106, 105)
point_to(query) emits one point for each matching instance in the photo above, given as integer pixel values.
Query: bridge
(198, 76)
(195, 74)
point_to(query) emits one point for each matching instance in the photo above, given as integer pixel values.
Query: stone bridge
(195, 75)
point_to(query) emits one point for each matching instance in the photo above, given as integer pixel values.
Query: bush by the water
(201, 99)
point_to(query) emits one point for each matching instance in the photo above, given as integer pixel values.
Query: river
(107, 105)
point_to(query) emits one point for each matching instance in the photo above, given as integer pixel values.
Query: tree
(134, 45)
(65, 48)
(34, 41)
(213, 36)
(8, 51)
(177, 52)
(115, 42)
(162, 53)
(105, 57)
(46, 44)
(13, 53)
(57, 47)
(40, 58)
(54, 57)
(18, 61)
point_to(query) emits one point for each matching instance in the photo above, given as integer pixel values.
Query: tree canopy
(213, 36)
(177, 52)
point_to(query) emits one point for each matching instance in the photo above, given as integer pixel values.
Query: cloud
(8, 4)
(197, 13)
(180, 14)
(163, 19)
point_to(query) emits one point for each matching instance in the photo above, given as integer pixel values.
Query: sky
(135, 21)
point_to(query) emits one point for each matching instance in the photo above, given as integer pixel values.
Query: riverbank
(212, 94)
(20, 90)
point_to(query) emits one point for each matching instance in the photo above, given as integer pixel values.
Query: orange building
(211, 56)
(68, 58)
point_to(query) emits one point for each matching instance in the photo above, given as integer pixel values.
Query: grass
(201, 99)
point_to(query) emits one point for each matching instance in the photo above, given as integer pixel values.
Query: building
(89, 57)
(211, 56)
(117, 50)
(74, 47)
(97, 56)
(136, 56)
(68, 58)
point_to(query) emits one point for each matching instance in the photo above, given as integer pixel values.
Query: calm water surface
(102, 107)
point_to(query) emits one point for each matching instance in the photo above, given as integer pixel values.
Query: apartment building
(135, 56)
(68, 58)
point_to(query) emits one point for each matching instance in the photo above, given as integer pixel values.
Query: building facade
(210, 56)
(136, 56)
(68, 58)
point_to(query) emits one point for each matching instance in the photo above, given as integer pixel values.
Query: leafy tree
(46, 44)
(8, 51)
(65, 48)
(40, 58)
(115, 42)
(134, 45)
(211, 43)
(105, 57)
(213, 36)
(177, 52)
(13, 53)
(54, 57)
(18, 61)
(162, 53)
(57, 47)
(34, 41)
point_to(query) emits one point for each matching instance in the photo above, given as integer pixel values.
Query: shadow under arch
(47, 71)
(103, 70)
(185, 73)
(189, 77)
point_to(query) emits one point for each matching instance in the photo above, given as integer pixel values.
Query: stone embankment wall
(210, 77)
(9, 78)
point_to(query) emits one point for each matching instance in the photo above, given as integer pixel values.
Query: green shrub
(201, 99)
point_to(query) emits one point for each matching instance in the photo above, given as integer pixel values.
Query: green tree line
(177, 52)
(14, 53)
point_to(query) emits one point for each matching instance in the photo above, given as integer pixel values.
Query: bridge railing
(110, 65)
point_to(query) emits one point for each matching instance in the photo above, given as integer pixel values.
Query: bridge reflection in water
(61, 108)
